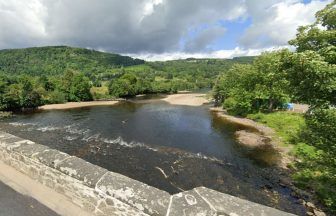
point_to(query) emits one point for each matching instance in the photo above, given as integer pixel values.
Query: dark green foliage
(313, 79)
(30, 92)
(122, 88)
(80, 88)
(55, 60)
(252, 88)
(312, 74)
(321, 131)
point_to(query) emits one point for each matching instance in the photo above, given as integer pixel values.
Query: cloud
(203, 39)
(275, 23)
(213, 54)
(21, 22)
(150, 26)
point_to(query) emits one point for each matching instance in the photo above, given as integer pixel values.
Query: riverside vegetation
(308, 76)
(253, 87)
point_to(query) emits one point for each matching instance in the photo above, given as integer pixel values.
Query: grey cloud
(203, 40)
(124, 26)
(113, 25)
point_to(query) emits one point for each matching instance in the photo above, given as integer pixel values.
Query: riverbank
(182, 98)
(71, 105)
(258, 135)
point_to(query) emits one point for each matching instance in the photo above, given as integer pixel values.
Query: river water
(171, 147)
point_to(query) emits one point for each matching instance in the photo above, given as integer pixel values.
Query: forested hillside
(34, 76)
(55, 60)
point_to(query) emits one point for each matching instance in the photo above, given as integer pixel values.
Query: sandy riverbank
(188, 99)
(71, 105)
(262, 129)
(261, 135)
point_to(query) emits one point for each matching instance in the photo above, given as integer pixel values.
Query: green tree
(12, 97)
(251, 88)
(312, 75)
(80, 88)
(121, 88)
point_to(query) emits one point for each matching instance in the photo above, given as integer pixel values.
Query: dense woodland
(243, 86)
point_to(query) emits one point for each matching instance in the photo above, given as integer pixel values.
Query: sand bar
(189, 99)
(71, 105)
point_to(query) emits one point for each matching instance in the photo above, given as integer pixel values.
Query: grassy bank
(310, 171)
(286, 125)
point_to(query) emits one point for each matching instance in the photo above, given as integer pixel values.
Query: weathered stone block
(8, 140)
(189, 203)
(81, 170)
(226, 204)
(137, 194)
(51, 157)
(30, 149)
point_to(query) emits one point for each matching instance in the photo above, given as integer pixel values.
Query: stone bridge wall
(101, 192)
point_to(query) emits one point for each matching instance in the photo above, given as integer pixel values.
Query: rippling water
(171, 147)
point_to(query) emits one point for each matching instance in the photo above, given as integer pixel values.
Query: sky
(157, 29)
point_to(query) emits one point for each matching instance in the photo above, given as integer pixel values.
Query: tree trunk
(270, 105)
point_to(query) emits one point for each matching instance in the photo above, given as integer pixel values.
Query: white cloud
(227, 54)
(21, 22)
(149, 26)
(277, 21)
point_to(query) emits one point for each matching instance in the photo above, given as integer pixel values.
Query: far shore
(181, 98)
(187, 99)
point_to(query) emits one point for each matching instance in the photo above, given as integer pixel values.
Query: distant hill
(241, 59)
(209, 68)
(55, 60)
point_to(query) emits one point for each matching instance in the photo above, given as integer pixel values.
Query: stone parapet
(102, 192)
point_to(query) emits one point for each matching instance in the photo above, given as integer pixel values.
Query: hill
(54, 60)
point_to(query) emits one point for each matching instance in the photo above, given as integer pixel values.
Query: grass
(100, 93)
(286, 125)
(311, 171)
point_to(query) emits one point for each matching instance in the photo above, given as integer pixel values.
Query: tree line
(23, 92)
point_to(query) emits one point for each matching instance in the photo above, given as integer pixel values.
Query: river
(171, 147)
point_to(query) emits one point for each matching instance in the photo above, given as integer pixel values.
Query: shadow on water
(174, 148)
